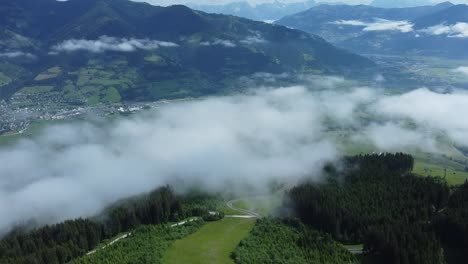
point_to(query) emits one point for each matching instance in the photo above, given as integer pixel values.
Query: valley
(241, 132)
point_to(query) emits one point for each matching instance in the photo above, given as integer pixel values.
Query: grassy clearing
(426, 164)
(34, 129)
(112, 95)
(228, 211)
(155, 59)
(37, 89)
(212, 244)
(264, 205)
(453, 177)
(51, 73)
(8, 139)
(4, 80)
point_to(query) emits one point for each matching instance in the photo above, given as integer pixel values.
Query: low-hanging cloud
(16, 54)
(394, 137)
(105, 43)
(462, 69)
(76, 170)
(379, 24)
(458, 30)
(219, 42)
(268, 134)
(442, 111)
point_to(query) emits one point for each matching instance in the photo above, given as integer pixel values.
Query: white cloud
(216, 142)
(462, 69)
(105, 43)
(253, 40)
(442, 111)
(458, 30)
(76, 170)
(219, 42)
(394, 137)
(379, 25)
(16, 54)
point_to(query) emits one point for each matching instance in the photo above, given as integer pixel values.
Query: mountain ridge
(164, 52)
(366, 29)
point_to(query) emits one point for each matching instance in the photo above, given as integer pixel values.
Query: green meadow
(211, 244)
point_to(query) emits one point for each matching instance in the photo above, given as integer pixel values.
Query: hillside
(321, 19)
(448, 16)
(364, 29)
(91, 51)
(261, 12)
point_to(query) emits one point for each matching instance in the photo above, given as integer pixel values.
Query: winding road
(247, 213)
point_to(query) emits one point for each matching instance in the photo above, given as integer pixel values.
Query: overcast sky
(172, 2)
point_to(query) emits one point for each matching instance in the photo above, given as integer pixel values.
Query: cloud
(442, 111)
(76, 170)
(105, 43)
(458, 30)
(462, 69)
(266, 134)
(256, 38)
(219, 42)
(16, 54)
(394, 137)
(379, 25)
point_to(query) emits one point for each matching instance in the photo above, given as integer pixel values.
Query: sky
(254, 2)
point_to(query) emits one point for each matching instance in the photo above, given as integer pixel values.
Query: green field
(228, 211)
(426, 164)
(4, 79)
(37, 89)
(264, 205)
(211, 244)
(34, 129)
(453, 177)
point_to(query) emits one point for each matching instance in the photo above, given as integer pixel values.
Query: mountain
(91, 51)
(440, 30)
(443, 33)
(322, 20)
(400, 3)
(449, 16)
(261, 12)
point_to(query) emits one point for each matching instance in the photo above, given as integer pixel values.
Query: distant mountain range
(91, 51)
(400, 3)
(261, 12)
(433, 30)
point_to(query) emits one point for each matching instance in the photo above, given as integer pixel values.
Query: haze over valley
(281, 132)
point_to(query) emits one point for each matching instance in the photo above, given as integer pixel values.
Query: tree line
(147, 244)
(377, 201)
(288, 241)
(451, 225)
(61, 243)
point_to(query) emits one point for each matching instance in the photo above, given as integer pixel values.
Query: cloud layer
(462, 69)
(16, 54)
(285, 134)
(75, 170)
(458, 30)
(105, 43)
(219, 42)
(379, 24)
